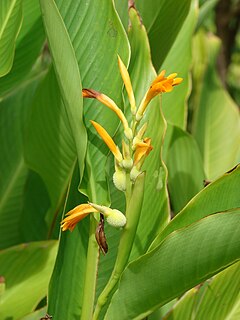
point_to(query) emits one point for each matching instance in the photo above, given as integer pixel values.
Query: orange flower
(160, 85)
(128, 84)
(89, 93)
(108, 140)
(76, 215)
(142, 149)
(113, 216)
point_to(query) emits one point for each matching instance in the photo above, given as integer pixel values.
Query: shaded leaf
(163, 20)
(13, 175)
(179, 59)
(216, 122)
(185, 167)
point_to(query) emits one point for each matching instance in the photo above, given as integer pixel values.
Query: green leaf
(66, 286)
(49, 146)
(197, 252)
(28, 46)
(25, 267)
(99, 70)
(210, 200)
(208, 304)
(179, 59)
(10, 23)
(155, 196)
(216, 122)
(14, 172)
(67, 72)
(185, 167)
(163, 20)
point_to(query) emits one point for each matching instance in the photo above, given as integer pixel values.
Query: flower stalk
(128, 178)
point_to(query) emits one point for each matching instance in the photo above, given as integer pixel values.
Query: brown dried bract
(90, 93)
(100, 236)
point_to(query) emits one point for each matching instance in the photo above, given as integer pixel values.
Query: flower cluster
(135, 146)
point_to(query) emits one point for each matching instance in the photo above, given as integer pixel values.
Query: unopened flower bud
(127, 163)
(119, 179)
(128, 133)
(116, 218)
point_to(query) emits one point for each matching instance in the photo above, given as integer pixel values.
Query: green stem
(91, 273)
(133, 211)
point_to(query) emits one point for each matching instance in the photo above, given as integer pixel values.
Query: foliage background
(49, 153)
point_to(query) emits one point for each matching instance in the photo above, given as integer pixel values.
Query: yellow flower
(160, 85)
(128, 85)
(108, 140)
(113, 216)
(89, 93)
(143, 149)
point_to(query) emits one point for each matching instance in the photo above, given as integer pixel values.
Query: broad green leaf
(26, 269)
(163, 20)
(49, 146)
(186, 258)
(66, 286)
(219, 196)
(67, 72)
(185, 167)
(97, 61)
(216, 122)
(28, 47)
(219, 298)
(10, 23)
(13, 113)
(155, 196)
(179, 59)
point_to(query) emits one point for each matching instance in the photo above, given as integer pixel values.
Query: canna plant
(104, 158)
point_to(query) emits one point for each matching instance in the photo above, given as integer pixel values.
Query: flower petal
(142, 149)
(108, 140)
(75, 215)
(104, 99)
(128, 84)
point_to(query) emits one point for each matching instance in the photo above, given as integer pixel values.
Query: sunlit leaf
(25, 267)
(210, 200)
(197, 252)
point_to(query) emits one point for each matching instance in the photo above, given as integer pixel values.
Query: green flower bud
(128, 133)
(119, 179)
(127, 163)
(116, 218)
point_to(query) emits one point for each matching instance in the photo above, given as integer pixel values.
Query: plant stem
(133, 211)
(91, 273)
